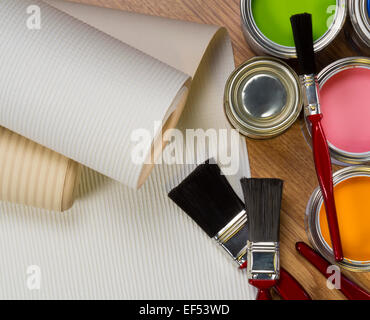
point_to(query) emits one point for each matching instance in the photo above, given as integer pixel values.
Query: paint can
(267, 29)
(358, 32)
(344, 105)
(263, 97)
(353, 230)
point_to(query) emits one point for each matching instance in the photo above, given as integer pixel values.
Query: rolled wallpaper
(115, 242)
(34, 175)
(82, 93)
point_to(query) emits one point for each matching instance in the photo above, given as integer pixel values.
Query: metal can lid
(263, 97)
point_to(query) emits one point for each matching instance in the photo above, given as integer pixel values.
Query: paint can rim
(261, 44)
(339, 156)
(312, 223)
(360, 17)
(275, 125)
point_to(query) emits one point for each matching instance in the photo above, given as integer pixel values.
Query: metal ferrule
(263, 260)
(310, 90)
(233, 238)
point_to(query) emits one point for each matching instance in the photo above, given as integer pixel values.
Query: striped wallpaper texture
(79, 91)
(34, 175)
(115, 242)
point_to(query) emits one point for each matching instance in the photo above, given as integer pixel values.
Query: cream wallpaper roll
(34, 175)
(82, 93)
(115, 242)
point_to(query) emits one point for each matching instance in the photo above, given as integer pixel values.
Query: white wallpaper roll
(118, 243)
(80, 92)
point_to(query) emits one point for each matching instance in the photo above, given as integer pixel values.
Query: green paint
(273, 17)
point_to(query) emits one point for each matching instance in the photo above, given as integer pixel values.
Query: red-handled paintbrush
(350, 289)
(302, 30)
(287, 287)
(263, 203)
(208, 198)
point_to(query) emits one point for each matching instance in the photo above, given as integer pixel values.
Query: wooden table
(287, 157)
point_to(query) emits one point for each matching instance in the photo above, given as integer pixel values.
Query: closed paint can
(344, 98)
(351, 191)
(359, 31)
(262, 98)
(267, 29)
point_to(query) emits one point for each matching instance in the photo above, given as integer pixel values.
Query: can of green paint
(267, 29)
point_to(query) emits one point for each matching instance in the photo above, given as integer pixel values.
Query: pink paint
(345, 104)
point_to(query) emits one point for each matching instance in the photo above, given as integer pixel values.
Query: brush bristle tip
(303, 38)
(208, 198)
(263, 203)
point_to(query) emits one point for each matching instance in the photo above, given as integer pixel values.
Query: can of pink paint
(345, 105)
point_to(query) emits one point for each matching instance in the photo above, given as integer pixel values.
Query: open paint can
(267, 29)
(359, 33)
(351, 191)
(345, 105)
(263, 98)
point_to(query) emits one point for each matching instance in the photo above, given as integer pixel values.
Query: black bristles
(303, 38)
(208, 198)
(263, 203)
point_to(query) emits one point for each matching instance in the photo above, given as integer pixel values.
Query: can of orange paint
(351, 192)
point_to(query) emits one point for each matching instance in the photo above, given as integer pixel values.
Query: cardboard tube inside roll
(33, 175)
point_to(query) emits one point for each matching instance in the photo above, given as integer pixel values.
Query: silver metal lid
(263, 97)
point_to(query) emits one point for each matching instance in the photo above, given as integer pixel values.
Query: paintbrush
(303, 37)
(349, 288)
(263, 202)
(208, 198)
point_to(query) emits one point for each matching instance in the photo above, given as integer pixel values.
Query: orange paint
(352, 198)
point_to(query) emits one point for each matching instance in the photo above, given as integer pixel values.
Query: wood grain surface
(287, 157)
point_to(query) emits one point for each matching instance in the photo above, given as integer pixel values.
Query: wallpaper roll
(82, 93)
(34, 175)
(120, 243)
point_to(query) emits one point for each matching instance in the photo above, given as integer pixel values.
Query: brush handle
(264, 295)
(349, 288)
(325, 177)
(263, 287)
(289, 288)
